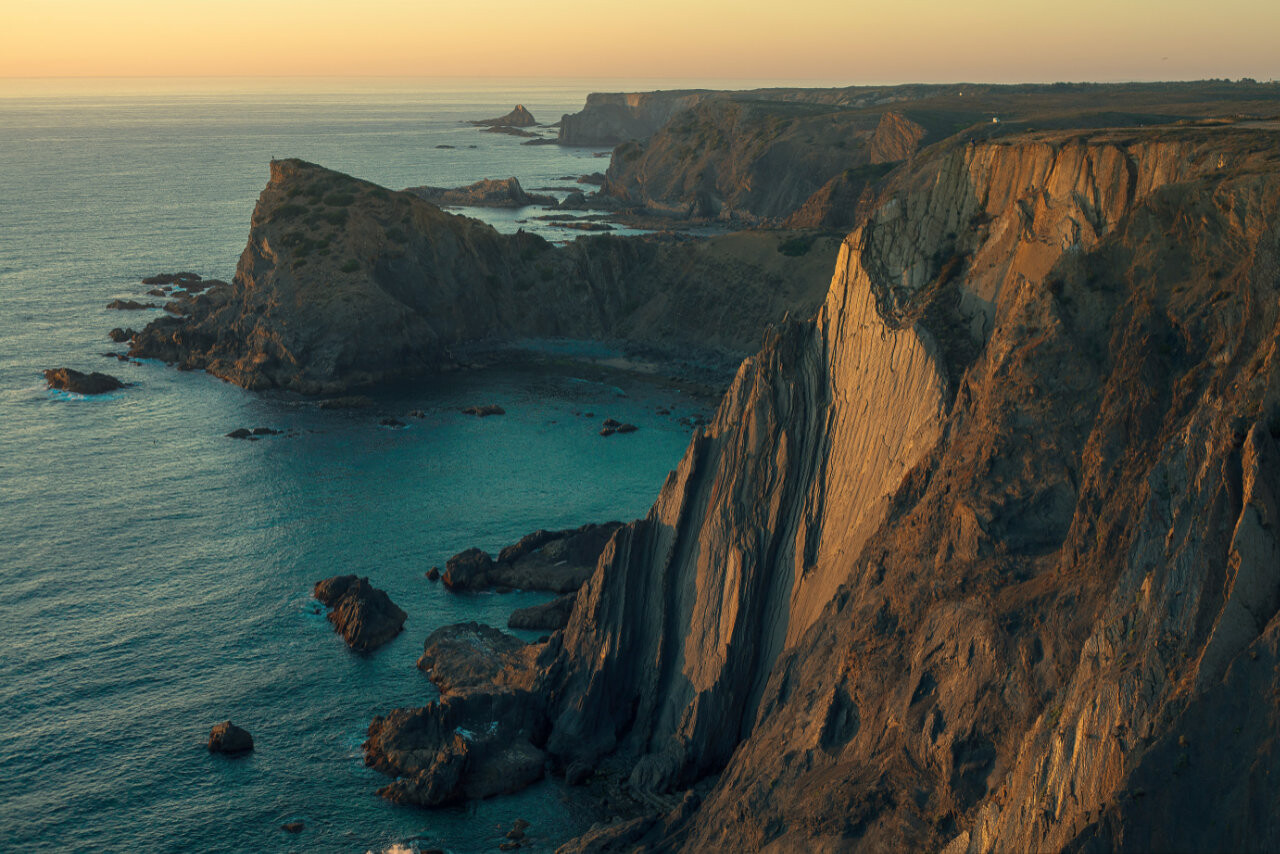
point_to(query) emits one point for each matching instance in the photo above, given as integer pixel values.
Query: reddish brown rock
(364, 615)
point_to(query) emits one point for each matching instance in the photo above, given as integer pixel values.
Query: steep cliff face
(610, 118)
(749, 159)
(979, 557)
(344, 283)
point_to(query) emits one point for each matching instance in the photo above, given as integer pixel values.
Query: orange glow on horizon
(910, 40)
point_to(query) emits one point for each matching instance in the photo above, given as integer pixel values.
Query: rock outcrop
(226, 737)
(548, 616)
(478, 739)
(345, 284)
(555, 561)
(484, 194)
(980, 558)
(68, 379)
(517, 118)
(364, 615)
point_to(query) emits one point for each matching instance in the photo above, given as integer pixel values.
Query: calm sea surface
(156, 575)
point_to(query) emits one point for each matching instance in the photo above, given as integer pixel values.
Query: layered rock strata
(981, 558)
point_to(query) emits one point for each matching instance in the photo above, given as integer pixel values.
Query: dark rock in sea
(293, 826)
(157, 292)
(119, 335)
(520, 824)
(226, 737)
(391, 422)
(587, 226)
(364, 615)
(417, 413)
(542, 140)
(627, 428)
(490, 193)
(555, 561)
(611, 422)
(240, 433)
(351, 401)
(549, 615)
(575, 201)
(265, 431)
(607, 431)
(182, 279)
(517, 118)
(433, 574)
(445, 146)
(130, 305)
(485, 410)
(596, 178)
(66, 379)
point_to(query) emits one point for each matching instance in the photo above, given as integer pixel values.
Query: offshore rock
(226, 737)
(487, 194)
(364, 615)
(517, 118)
(67, 379)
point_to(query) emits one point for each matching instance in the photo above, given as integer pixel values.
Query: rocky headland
(981, 558)
(344, 284)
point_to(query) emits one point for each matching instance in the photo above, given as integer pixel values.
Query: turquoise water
(157, 574)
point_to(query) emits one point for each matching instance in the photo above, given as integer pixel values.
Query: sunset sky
(853, 41)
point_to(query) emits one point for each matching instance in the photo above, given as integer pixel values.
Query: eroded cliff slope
(344, 283)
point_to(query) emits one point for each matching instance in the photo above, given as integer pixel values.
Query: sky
(890, 41)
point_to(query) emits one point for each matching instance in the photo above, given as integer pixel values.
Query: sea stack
(364, 615)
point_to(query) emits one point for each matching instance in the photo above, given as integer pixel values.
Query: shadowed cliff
(344, 283)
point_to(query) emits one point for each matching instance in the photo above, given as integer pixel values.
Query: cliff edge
(982, 557)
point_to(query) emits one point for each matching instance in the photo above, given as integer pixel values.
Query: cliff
(982, 558)
(755, 160)
(344, 283)
(609, 118)
(979, 558)
(809, 158)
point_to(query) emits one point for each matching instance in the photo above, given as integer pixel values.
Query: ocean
(157, 575)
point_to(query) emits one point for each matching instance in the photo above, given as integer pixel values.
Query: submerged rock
(485, 410)
(364, 615)
(66, 379)
(226, 737)
(130, 305)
